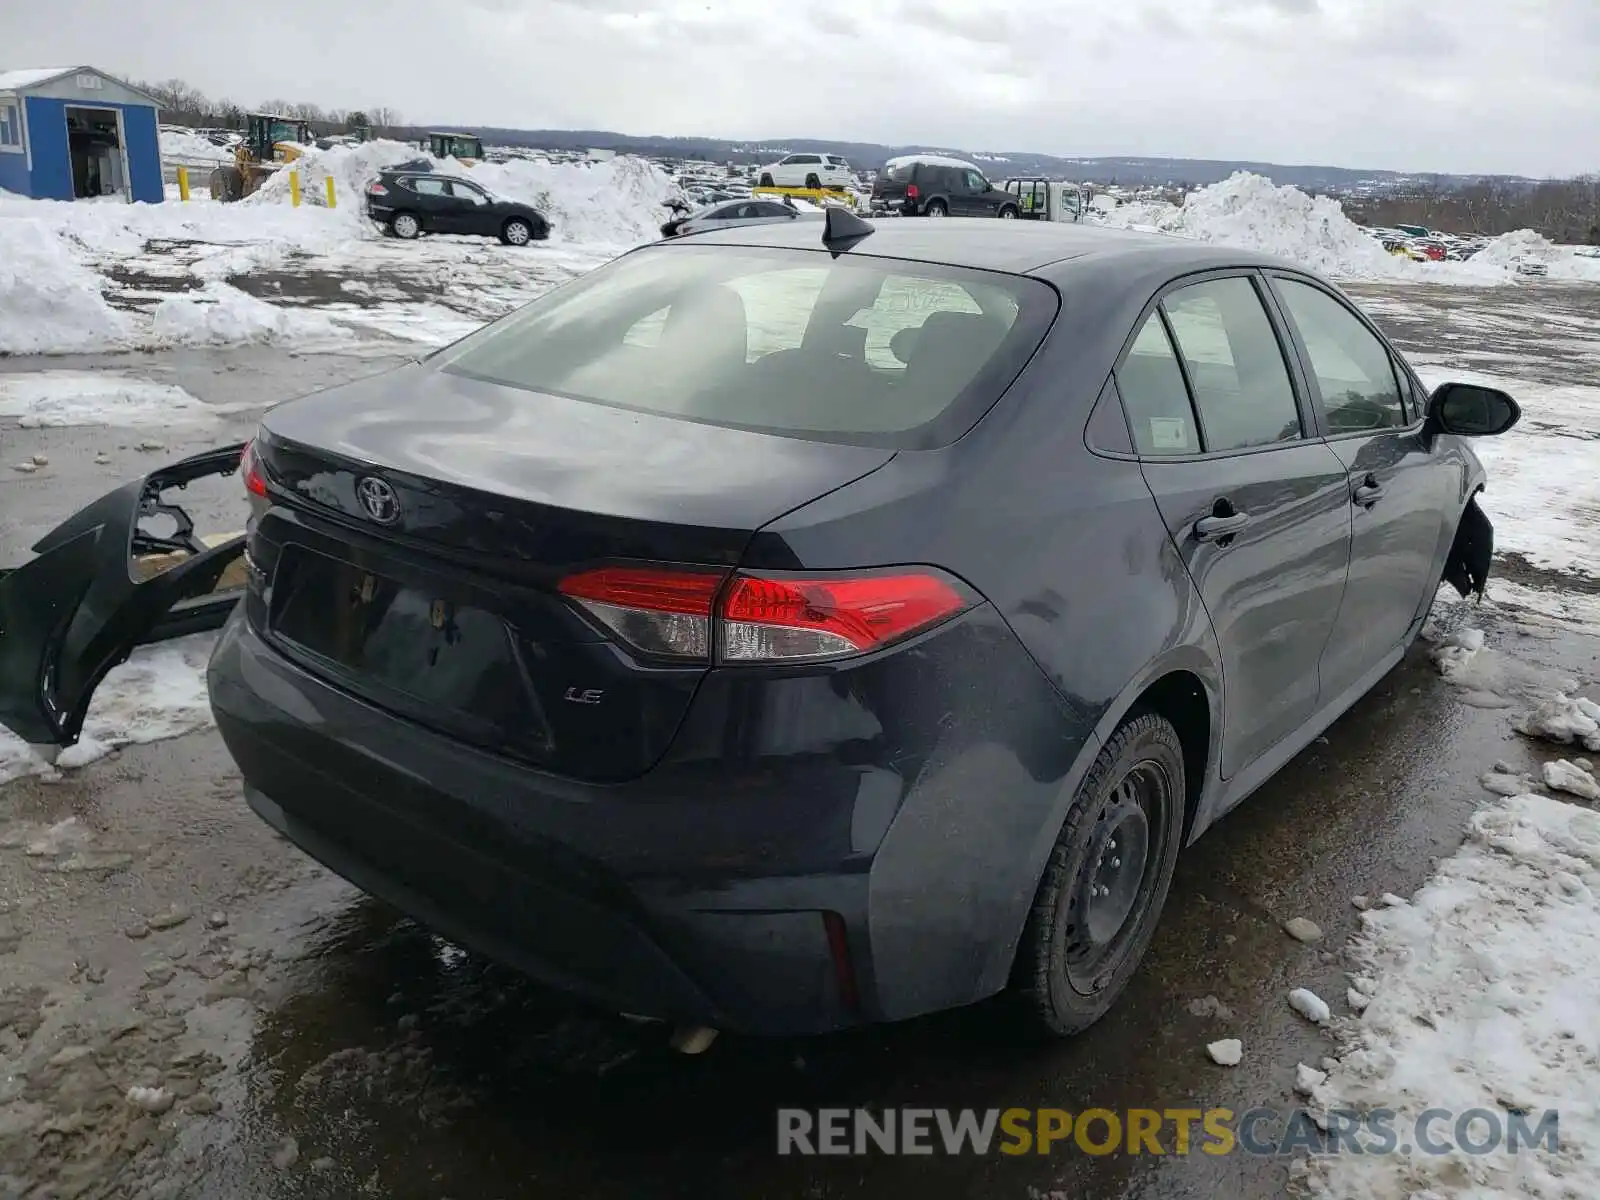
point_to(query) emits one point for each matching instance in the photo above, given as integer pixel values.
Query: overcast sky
(1435, 85)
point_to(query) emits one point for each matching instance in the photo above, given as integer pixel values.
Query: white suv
(807, 170)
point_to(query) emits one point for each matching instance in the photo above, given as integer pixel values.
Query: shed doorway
(99, 161)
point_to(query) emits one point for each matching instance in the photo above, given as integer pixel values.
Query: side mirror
(1469, 410)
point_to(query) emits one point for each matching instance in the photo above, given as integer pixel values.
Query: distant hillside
(1129, 171)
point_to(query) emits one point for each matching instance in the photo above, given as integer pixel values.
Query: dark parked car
(408, 203)
(939, 187)
(799, 626)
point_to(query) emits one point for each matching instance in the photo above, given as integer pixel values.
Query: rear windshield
(898, 172)
(853, 349)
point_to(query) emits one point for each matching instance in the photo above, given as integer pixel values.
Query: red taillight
(768, 619)
(762, 618)
(377, 189)
(657, 610)
(911, 191)
(254, 482)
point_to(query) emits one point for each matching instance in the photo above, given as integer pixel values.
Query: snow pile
(57, 399)
(351, 168)
(619, 202)
(1250, 212)
(1563, 262)
(1482, 998)
(221, 315)
(182, 146)
(160, 692)
(50, 303)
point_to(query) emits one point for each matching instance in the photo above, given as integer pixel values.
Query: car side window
(465, 191)
(1154, 396)
(1352, 367)
(1234, 363)
(771, 209)
(976, 184)
(428, 187)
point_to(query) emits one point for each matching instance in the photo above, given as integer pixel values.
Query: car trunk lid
(420, 524)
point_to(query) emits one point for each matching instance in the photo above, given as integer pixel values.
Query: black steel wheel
(1106, 880)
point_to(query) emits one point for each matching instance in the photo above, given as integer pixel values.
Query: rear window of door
(1154, 396)
(1234, 364)
(1352, 368)
(427, 187)
(855, 349)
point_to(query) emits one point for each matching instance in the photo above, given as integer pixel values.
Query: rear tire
(766, 180)
(1106, 880)
(936, 208)
(516, 232)
(405, 226)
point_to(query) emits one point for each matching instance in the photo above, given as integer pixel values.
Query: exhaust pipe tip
(692, 1039)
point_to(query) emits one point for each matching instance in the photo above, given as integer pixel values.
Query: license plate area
(415, 649)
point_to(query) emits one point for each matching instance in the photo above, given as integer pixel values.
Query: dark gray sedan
(788, 628)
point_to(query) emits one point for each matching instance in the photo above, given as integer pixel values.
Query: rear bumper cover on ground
(699, 893)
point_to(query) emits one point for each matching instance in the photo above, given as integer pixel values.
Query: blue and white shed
(69, 133)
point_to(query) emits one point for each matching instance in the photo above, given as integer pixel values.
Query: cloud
(1474, 85)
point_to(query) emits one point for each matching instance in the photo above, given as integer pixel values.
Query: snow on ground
(160, 692)
(103, 275)
(1482, 994)
(53, 399)
(220, 315)
(1543, 492)
(1251, 212)
(50, 302)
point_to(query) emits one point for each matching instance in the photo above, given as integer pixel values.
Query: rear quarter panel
(1071, 552)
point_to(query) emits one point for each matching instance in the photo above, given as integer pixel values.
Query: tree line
(1563, 210)
(182, 104)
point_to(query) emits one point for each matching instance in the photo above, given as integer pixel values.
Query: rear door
(1402, 487)
(432, 202)
(1256, 505)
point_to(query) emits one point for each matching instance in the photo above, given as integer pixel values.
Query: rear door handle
(1368, 493)
(1213, 529)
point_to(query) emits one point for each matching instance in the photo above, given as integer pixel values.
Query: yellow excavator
(269, 142)
(465, 148)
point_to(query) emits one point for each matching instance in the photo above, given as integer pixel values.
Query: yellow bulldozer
(270, 141)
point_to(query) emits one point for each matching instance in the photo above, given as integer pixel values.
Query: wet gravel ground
(300, 1040)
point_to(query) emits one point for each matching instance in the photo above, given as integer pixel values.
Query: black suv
(939, 187)
(407, 203)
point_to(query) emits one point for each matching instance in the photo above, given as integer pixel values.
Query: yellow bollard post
(294, 187)
(183, 183)
(331, 203)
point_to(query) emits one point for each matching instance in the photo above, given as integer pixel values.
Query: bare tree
(384, 117)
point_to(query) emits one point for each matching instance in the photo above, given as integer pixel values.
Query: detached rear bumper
(800, 893)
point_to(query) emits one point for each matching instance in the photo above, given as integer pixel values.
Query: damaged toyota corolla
(774, 633)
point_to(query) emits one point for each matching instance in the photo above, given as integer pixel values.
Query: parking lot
(313, 1043)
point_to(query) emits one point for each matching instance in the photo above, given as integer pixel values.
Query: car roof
(1017, 247)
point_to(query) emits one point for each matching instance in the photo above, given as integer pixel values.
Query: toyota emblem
(378, 499)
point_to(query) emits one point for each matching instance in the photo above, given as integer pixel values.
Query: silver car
(733, 213)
